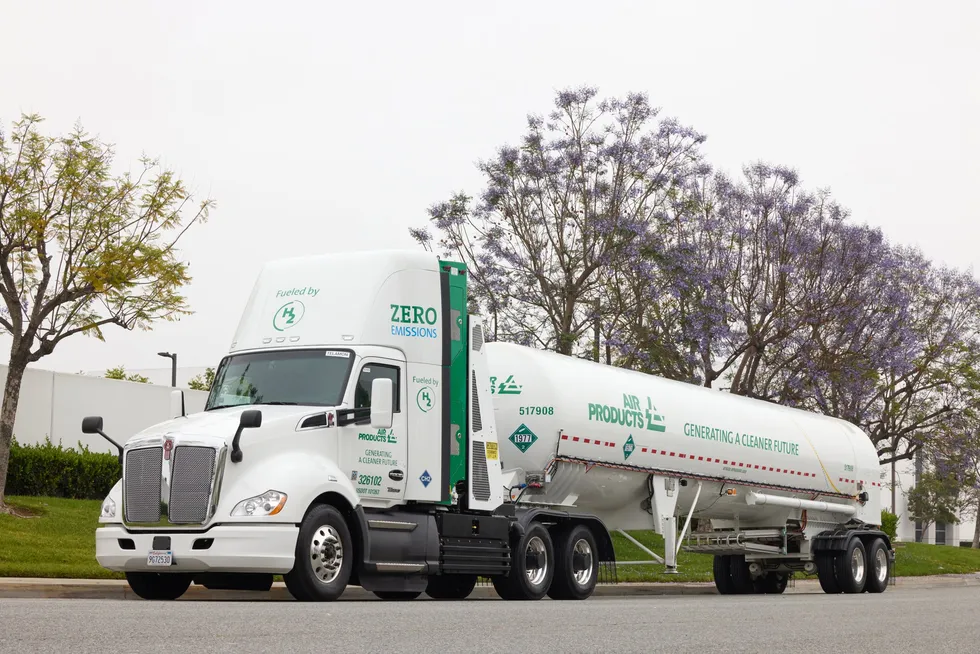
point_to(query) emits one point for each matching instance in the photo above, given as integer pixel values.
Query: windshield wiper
(224, 406)
(279, 403)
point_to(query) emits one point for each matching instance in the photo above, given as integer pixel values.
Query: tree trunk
(8, 411)
(976, 529)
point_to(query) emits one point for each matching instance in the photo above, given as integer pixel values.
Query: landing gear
(532, 567)
(159, 586)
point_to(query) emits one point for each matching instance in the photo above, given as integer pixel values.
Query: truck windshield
(308, 377)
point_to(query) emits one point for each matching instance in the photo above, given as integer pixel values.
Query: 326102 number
(368, 480)
(537, 410)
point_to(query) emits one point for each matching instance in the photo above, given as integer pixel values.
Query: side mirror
(93, 425)
(177, 404)
(381, 403)
(250, 419)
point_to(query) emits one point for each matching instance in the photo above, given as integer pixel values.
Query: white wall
(52, 404)
(161, 376)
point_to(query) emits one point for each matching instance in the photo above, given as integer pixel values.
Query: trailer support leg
(687, 523)
(664, 502)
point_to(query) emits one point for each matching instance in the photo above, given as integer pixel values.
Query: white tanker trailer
(772, 489)
(361, 430)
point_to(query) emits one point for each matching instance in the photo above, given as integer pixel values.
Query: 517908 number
(537, 410)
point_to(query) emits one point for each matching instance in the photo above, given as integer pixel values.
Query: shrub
(889, 523)
(46, 470)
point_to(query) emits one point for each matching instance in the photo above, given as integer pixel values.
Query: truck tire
(397, 595)
(722, 569)
(879, 567)
(741, 577)
(827, 572)
(771, 583)
(324, 557)
(852, 567)
(527, 582)
(450, 587)
(159, 585)
(576, 565)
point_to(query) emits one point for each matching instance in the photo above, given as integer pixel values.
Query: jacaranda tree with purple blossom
(586, 189)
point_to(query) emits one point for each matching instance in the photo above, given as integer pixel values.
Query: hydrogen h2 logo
(425, 399)
(288, 315)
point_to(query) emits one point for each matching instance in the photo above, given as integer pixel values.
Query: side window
(370, 372)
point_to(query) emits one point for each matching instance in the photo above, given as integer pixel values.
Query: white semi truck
(361, 430)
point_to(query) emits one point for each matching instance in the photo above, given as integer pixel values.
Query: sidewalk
(20, 587)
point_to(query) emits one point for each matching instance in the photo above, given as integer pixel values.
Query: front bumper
(259, 548)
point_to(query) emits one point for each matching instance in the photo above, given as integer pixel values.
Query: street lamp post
(173, 366)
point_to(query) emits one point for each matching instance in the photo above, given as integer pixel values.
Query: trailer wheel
(879, 568)
(159, 585)
(324, 557)
(772, 583)
(722, 569)
(450, 587)
(397, 595)
(576, 566)
(532, 567)
(827, 572)
(852, 567)
(741, 577)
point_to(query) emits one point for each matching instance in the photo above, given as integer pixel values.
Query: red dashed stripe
(684, 455)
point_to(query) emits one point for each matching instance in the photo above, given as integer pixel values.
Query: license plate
(160, 557)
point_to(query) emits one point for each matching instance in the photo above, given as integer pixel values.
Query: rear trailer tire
(827, 572)
(879, 567)
(159, 585)
(532, 567)
(741, 577)
(324, 557)
(722, 569)
(450, 587)
(852, 567)
(772, 583)
(397, 595)
(576, 564)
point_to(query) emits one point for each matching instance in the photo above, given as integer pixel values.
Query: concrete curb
(38, 588)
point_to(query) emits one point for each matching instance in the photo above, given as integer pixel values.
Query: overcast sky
(328, 126)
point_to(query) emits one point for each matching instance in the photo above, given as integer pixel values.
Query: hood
(221, 424)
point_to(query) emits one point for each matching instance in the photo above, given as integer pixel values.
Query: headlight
(108, 508)
(268, 503)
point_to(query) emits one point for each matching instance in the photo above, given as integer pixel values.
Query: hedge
(46, 470)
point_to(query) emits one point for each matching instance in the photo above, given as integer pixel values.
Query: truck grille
(142, 486)
(190, 486)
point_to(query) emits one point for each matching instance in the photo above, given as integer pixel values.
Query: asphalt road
(900, 620)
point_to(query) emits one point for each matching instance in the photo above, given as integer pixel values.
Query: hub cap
(537, 572)
(881, 565)
(326, 553)
(857, 565)
(583, 552)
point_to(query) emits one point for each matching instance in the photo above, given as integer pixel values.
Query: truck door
(375, 458)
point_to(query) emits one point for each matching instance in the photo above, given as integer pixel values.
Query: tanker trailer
(773, 490)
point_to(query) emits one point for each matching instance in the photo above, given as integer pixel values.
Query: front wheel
(532, 567)
(157, 585)
(324, 557)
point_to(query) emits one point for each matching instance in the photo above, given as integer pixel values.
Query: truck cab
(348, 438)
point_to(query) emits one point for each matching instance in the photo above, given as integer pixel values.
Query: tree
(587, 188)
(202, 382)
(120, 373)
(81, 249)
(934, 498)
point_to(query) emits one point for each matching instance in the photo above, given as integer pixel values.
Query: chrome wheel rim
(582, 577)
(881, 565)
(326, 554)
(857, 565)
(537, 575)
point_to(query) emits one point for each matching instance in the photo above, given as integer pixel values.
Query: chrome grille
(142, 487)
(190, 484)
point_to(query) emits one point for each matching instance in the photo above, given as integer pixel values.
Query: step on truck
(362, 430)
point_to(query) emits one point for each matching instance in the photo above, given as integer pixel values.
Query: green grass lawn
(60, 542)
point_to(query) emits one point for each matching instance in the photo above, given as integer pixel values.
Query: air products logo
(631, 414)
(506, 387)
(522, 438)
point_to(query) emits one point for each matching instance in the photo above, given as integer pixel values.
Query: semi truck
(363, 430)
